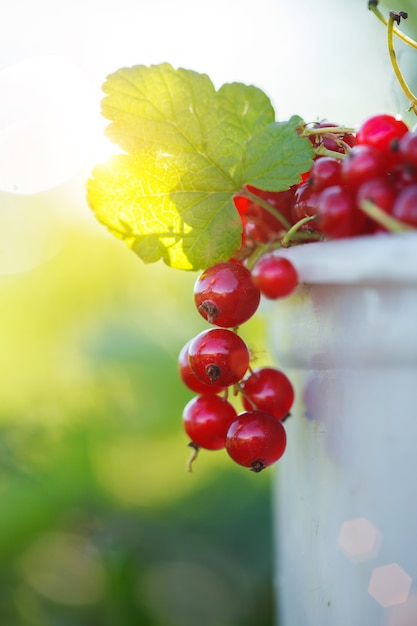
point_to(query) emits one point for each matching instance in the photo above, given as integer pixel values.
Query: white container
(346, 490)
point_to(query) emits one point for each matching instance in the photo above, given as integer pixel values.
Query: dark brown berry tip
(208, 310)
(213, 372)
(257, 466)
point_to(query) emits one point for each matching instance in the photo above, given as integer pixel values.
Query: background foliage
(99, 522)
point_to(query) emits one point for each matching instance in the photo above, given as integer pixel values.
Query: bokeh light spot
(64, 567)
(359, 539)
(389, 584)
(404, 614)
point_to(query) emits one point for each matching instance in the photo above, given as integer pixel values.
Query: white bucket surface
(346, 491)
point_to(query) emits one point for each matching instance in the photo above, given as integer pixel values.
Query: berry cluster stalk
(395, 18)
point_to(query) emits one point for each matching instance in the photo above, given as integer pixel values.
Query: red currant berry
(405, 206)
(225, 294)
(325, 172)
(304, 203)
(206, 420)
(362, 163)
(381, 131)
(402, 175)
(218, 356)
(256, 439)
(380, 192)
(338, 214)
(281, 201)
(189, 379)
(408, 149)
(275, 276)
(268, 389)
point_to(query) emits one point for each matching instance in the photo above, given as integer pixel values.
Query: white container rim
(384, 258)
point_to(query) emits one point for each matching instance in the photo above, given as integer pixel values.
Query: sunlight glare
(46, 122)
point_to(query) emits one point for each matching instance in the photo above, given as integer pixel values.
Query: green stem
(372, 6)
(338, 131)
(259, 251)
(323, 151)
(268, 207)
(325, 130)
(383, 219)
(294, 230)
(292, 236)
(393, 57)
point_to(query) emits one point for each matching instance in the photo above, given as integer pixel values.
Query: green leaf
(276, 157)
(190, 149)
(142, 201)
(156, 108)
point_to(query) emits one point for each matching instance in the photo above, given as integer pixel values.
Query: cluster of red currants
(359, 183)
(216, 363)
(376, 166)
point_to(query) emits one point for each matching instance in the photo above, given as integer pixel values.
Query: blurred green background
(100, 524)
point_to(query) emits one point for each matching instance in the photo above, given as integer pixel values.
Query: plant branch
(393, 18)
(373, 6)
(325, 130)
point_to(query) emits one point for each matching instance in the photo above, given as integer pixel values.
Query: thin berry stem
(383, 218)
(336, 132)
(294, 230)
(393, 58)
(323, 151)
(293, 236)
(195, 449)
(259, 251)
(325, 130)
(247, 398)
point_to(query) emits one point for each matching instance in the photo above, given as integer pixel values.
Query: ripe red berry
(188, 377)
(268, 389)
(408, 149)
(325, 172)
(381, 131)
(256, 439)
(206, 420)
(338, 214)
(380, 192)
(225, 294)
(304, 202)
(405, 206)
(275, 276)
(279, 200)
(218, 356)
(362, 163)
